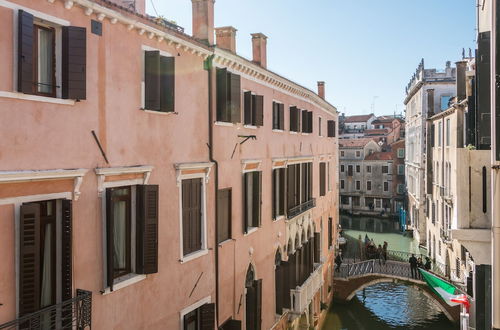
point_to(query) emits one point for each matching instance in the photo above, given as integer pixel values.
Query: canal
(385, 305)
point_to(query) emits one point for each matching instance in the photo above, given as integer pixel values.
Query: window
(131, 231)
(401, 153)
(378, 203)
(355, 200)
(252, 190)
(322, 179)
(159, 82)
(440, 130)
(401, 169)
(331, 128)
(401, 188)
(342, 183)
(228, 96)
(278, 116)
(342, 154)
(358, 153)
(448, 132)
(328, 176)
(306, 182)
(349, 170)
(307, 121)
(385, 169)
(39, 48)
(342, 168)
(368, 169)
(445, 100)
(386, 186)
(199, 318)
(358, 185)
(253, 108)
(358, 168)
(368, 185)
(279, 179)
(224, 201)
(192, 216)
(294, 119)
(319, 126)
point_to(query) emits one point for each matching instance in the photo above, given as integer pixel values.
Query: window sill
(193, 255)
(306, 133)
(162, 113)
(251, 231)
(36, 98)
(124, 281)
(280, 217)
(278, 130)
(250, 126)
(292, 132)
(223, 123)
(226, 241)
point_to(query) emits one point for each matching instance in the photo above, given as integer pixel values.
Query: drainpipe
(208, 65)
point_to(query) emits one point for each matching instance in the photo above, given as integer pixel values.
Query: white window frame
(357, 184)
(401, 152)
(144, 49)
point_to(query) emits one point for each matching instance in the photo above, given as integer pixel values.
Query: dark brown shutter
(257, 197)
(305, 118)
(152, 80)
(191, 215)
(147, 229)
(222, 95)
(330, 231)
(281, 191)
(246, 221)
(247, 108)
(66, 250)
(258, 304)
(274, 192)
(317, 247)
(281, 114)
(186, 216)
(293, 119)
(309, 121)
(290, 187)
(275, 115)
(207, 315)
(322, 180)
(331, 128)
(310, 187)
(235, 104)
(231, 325)
(109, 237)
(250, 308)
(167, 84)
(74, 59)
(285, 278)
(29, 257)
(223, 215)
(25, 49)
(304, 184)
(278, 283)
(259, 110)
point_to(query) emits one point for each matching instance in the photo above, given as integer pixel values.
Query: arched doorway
(253, 300)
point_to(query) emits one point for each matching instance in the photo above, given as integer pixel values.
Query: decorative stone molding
(250, 165)
(187, 170)
(104, 172)
(43, 175)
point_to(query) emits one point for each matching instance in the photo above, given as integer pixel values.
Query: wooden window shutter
(309, 121)
(66, 250)
(247, 108)
(257, 197)
(25, 49)
(330, 231)
(235, 98)
(186, 216)
(304, 183)
(305, 119)
(310, 173)
(258, 304)
(285, 279)
(147, 229)
(222, 95)
(74, 61)
(274, 193)
(152, 80)
(293, 119)
(275, 115)
(281, 108)
(259, 110)
(278, 283)
(281, 191)
(223, 215)
(231, 325)
(317, 247)
(290, 187)
(250, 300)
(109, 238)
(329, 128)
(191, 215)
(29, 257)
(322, 179)
(167, 84)
(207, 316)
(246, 220)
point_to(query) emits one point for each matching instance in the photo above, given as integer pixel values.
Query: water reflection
(387, 306)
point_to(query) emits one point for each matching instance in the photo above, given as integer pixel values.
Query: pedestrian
(413, 266)
(338, 262)
(360, 248)
(380, 254)
(384, 248)
(427, 264)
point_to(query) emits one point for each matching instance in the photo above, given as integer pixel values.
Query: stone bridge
(356, 276)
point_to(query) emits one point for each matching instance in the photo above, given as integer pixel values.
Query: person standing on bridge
(338, 262)
(413, 266)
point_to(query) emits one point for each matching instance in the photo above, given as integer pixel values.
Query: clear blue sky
(364, 50)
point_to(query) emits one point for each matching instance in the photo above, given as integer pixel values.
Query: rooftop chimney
(259, 47)
(226, 38)
(321, 89)
(461, 85)
(203, 20)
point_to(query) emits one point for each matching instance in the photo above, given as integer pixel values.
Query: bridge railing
(373, 266)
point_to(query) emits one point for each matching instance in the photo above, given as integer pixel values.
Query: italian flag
(450, 294)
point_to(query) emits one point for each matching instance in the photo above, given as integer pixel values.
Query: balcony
(302, 296)
(75, 313)
(301, 208)
(446, 235)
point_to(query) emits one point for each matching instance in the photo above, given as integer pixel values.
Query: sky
(366, 50)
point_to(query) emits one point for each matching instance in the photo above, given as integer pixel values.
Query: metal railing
(75, 313)
(301, 208)
(393, 268)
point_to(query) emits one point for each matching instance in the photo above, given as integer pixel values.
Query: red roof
(376, 131)
(380, 156)
(353, 143)
(358, 118)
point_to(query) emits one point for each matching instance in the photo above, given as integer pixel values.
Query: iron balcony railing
(301, 208)
(75, 313)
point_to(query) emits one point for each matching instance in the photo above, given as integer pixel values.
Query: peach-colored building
(168, 181)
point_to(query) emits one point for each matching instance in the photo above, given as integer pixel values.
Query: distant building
(352, 127)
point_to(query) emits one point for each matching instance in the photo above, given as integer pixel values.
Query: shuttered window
(322, 179)
(159, 82)
(147, 229)
(307, 121)
(37, 54)
(252, 186)
(349, 170)
(254, 305)
(253, 108)
(223, 215)
(202, 318)
(330, 231)
(279, 180)
(191, 215)
(278, 116)
(228, 87)
(294, 119)
(317, 247)
(231, 325)
(331, 128)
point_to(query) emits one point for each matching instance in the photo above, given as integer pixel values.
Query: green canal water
(385, 305)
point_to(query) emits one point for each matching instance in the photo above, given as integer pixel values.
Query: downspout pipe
(208, 65)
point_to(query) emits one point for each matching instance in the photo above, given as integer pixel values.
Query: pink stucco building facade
(169, 181)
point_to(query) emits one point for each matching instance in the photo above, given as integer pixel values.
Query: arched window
(253, 300)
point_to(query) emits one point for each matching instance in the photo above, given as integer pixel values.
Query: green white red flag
(447, 291)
